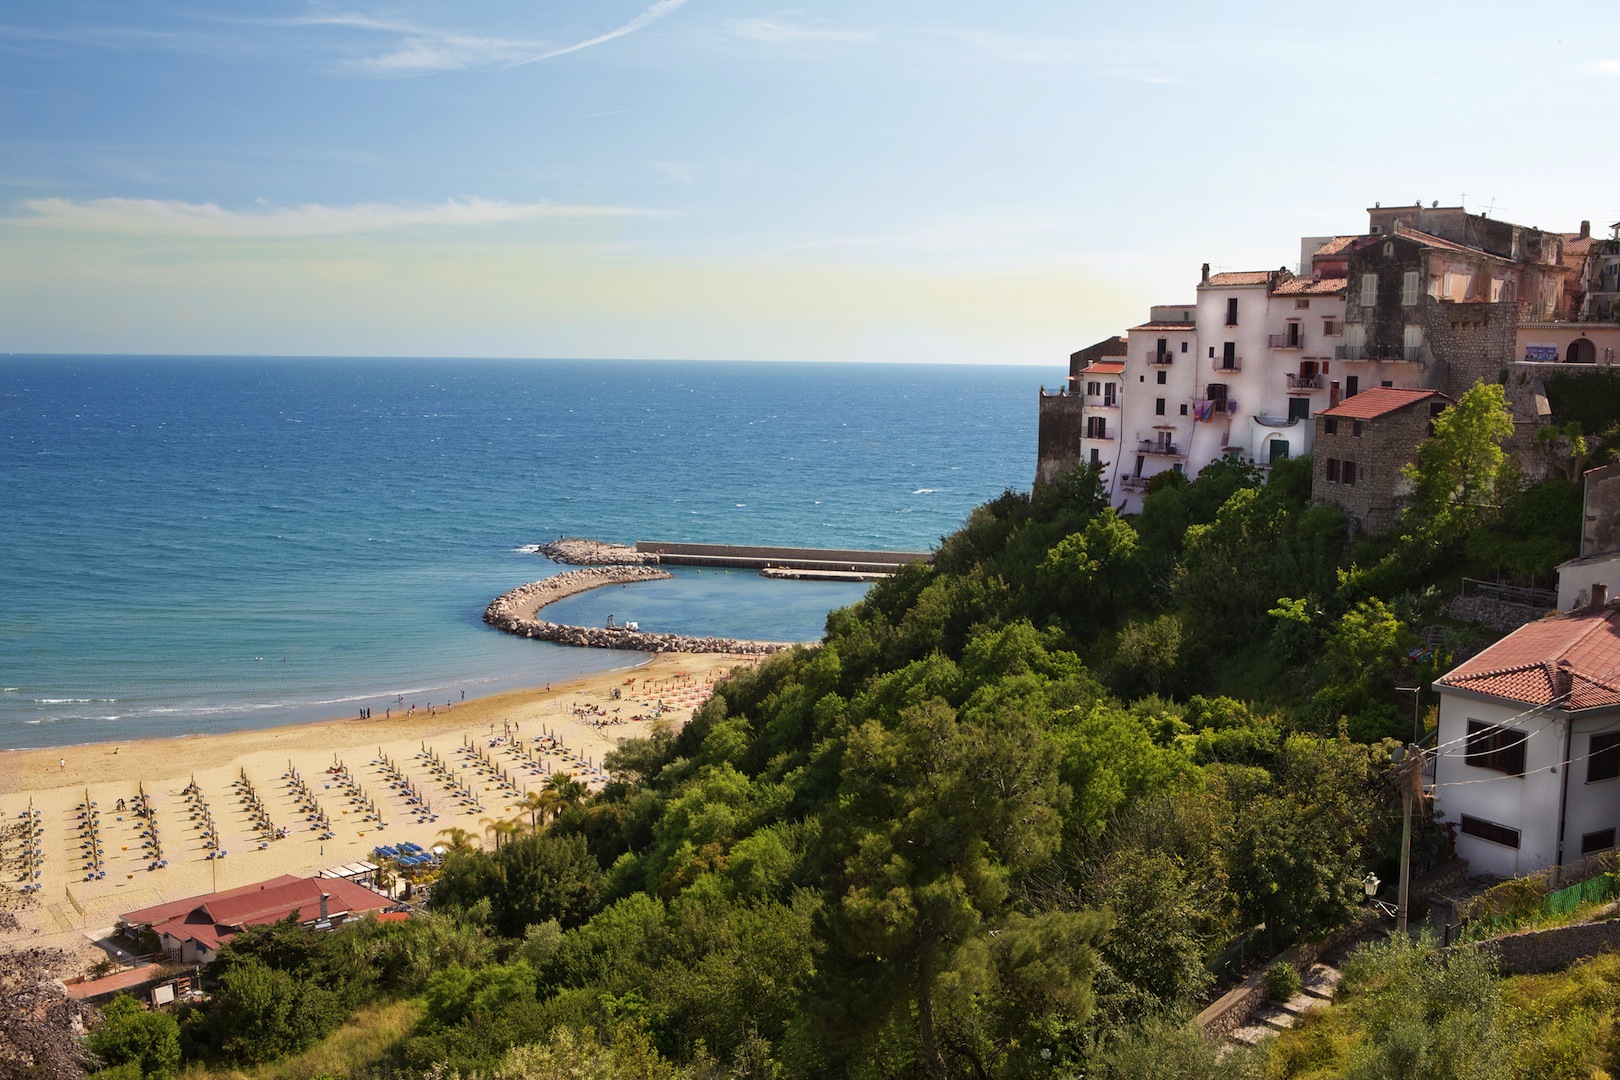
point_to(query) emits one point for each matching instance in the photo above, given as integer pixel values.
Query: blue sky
(909, 180)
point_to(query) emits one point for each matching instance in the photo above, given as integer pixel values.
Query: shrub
(1282, 981)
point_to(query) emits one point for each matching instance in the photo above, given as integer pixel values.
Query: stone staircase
(1319, 983)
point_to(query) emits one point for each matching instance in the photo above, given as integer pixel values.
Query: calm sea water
(206, 544)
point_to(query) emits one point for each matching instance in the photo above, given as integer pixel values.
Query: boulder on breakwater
(514, 613)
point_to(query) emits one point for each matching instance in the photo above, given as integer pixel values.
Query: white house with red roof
(1528, 754)
(193, 929)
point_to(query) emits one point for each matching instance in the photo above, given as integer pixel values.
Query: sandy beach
(247, 779)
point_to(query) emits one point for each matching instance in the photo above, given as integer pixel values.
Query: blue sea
(205, 544)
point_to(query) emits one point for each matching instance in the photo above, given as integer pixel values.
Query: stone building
(1060, 438)
(1361, 445)
(1598, 565)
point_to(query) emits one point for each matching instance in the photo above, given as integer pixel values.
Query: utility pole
(1410, 779)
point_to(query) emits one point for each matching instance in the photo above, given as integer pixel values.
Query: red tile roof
(1334, 246)
(1103, 367)
(1571, 660)
(1241, 277)
(1311, 287)
(1166, 326)
(1379, 401)
(213, 917)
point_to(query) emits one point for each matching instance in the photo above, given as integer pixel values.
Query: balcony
(1219, 406)
(1380, 352)
(1133, 483)
(1285, 341)
(1227, 363)
(1097, 402)
(1305, 382)
(1152, 446)
(1160, 359)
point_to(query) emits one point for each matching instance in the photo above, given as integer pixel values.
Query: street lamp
(1369, 884)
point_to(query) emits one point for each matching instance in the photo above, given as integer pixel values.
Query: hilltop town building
(1428, 298)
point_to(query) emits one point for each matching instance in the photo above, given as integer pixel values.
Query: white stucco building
(1528, 754)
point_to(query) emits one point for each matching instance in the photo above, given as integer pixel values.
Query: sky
(908, 180)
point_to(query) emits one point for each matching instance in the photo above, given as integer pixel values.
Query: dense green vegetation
(1002, 821)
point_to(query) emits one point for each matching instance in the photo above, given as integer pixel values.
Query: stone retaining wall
(1498, 615)
(1537, 951)
(514, 613)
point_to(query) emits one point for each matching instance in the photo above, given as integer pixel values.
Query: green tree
(260, 1014)
(1461, 474)
(131, 1033)
(934, 812)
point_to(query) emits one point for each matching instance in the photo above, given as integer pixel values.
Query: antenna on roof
(1488, 209)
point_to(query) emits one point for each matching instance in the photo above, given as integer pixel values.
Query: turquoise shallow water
(206, 544)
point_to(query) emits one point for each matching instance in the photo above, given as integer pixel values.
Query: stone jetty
(515, 613)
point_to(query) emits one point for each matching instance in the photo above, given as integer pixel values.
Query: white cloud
(160, 217)
(423, 50)
(1601, 67)
(776, 30)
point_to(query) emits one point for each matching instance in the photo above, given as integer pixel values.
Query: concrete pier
(829, 561)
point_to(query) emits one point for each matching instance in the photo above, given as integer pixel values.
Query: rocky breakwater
(575, 551)
(514, 612)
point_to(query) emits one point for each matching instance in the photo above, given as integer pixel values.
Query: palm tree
(565, 790)
(500, 828)
(534, 802)
(458, 840)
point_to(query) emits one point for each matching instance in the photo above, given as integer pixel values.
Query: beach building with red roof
(1361, 445)
(1528, 758)
(192, 930)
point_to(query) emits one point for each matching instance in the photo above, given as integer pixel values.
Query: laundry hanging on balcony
(1202, 409)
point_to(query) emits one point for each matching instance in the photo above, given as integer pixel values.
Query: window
(1352, 385)
(1299, 408)
(1330, 426)
(1347, 473)
(1602, 840)
(1409, 288)
(1369, 290)
(1231, 311)
(1302, 302)
(1183, 346)
(1333, 470)
(1183, 408)
(1332, 327)
(1604, 762)
(1096, 458)
(1412, 342)
(1091, 388)
(1229, 356)
(1096, 427)
(1158, 406)
(1162, 378)
(1355, 429)
(1498, 748)
(1489, 830)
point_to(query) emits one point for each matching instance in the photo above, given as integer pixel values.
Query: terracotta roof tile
(1166, 326)
(1241, 277)
(1378, 401)
(1572, 660)
(1103, 367)
(1311, 287)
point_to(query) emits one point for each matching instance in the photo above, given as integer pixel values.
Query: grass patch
(357, 1049)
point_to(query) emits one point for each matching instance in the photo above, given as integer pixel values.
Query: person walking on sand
(64, 764)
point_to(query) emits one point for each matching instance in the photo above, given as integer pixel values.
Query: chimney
(1206, 273)
(1600, 595)
(1586, 229)
(325, 914)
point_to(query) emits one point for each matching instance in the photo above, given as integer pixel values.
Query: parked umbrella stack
(406, 787)
(256, 809)
(89, 818)
(202, 819)
(358, 798)
(29, 835)
(151, 847)
(308, 805)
